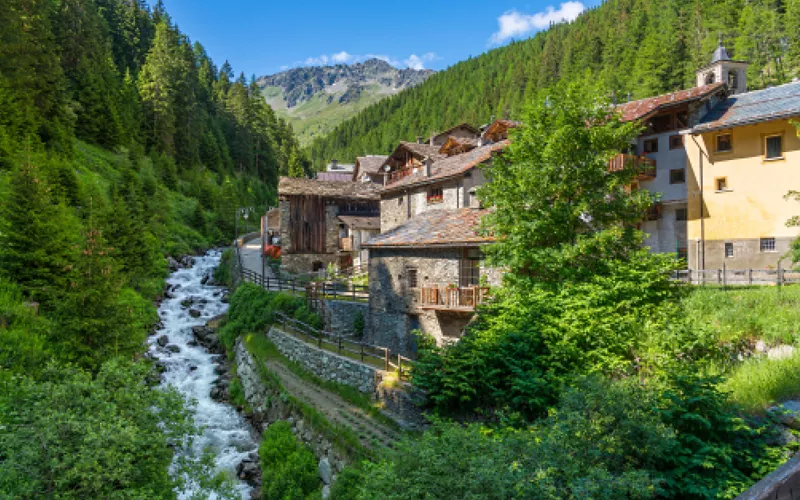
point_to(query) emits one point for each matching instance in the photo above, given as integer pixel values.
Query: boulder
(787, 413)
(205, 279)
(225, 299)
(173, 348)
(195, 313)
(221, 370)
(325, 472)
(162, 340)
(217, 393)
(201, 332)
(326, 491)
(249, 472)
(168, 295)
(192, 343)
(192, 368)
(186, 303)
(173, 264)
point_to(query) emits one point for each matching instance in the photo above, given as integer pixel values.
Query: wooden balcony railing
(644, 165)
(399, 174)
(346, 244)
(448, 298)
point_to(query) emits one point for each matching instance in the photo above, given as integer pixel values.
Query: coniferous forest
(637, 48)
(121, 143)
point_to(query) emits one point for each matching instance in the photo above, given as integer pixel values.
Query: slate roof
(449, 167)
(636, 110)
(465, 125)
(499, 126)
(757, 106)
(335, 176)
(369, 164)
(360, 222)
(419, 150)
(291, 186)
(435, 228)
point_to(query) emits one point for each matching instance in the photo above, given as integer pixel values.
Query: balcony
(346, 244)
(399, 174)
(644, 165)
(449, 298)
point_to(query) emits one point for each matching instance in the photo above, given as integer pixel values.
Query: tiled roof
(335, 176)
(370, 164)
(435, 228)
(422, 150)
(500, 126)
(636, 110)
(773, 103)
(451, 129)
(449, 166)
(359, 222)
(291, 186)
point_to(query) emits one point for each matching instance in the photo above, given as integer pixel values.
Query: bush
(759, 382)
(223, 272)
(288, 468)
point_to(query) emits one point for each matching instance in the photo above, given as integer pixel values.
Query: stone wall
(327, 365)
(269, 407)
(341, 314)
(300, 263)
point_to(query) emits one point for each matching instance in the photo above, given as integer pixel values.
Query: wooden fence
(738, 277)
(320, 289)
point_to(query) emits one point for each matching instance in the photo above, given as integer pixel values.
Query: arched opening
(709, 78)
(732, 80)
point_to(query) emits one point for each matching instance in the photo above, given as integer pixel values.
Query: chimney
(480, 141)
(334, 164)
(430, 141)
(419, 139)
(428, 166)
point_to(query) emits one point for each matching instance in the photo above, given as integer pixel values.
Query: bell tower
(726, 70)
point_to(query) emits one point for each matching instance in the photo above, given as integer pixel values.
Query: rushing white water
(191, 370)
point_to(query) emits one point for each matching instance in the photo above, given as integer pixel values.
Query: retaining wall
(341, 316)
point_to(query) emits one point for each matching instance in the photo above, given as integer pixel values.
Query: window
(470, 268)
(728, 250)
(724, 143)
(435, 195)
(767, 244)
(650, 146)
(721, 183)
(680, 214)
(774, 147)
(675, 142)
(677, 176)
(732, 80)
(413, 277)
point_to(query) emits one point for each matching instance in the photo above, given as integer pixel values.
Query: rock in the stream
(225, 299)
(186, 303)
(325, 472)
(201, 332)
(162, 341)
(173, 264)
(205, 279)
(195, 313)
(221, 370)
(326, 491)
(173, 348)
(218, 393)
(248, 471)
(192, 368)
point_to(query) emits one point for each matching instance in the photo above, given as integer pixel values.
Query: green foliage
(72, 435)
(222, 273)
(289, 470)
(252, 308)
(359, 324)
(635, 47)
(604, 439)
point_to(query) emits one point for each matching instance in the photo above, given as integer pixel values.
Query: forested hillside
(641, 47)
(121, 142)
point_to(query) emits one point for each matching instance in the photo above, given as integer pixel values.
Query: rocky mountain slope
(316, 99)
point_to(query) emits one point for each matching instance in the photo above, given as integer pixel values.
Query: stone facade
(395, 307)
(327, 365)
(299, 263)
(747, 254)
(398, 207)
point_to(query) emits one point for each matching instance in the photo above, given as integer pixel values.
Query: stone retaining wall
(327, 365)
(341, 315)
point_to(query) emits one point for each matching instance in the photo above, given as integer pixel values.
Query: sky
(268, 36)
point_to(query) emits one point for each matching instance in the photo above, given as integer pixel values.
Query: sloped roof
(335, 176)
(451, 129)
(636, 110)
(435, 228)
(291, 186)
(360, 222)
(757, 106)
(500, 126)
(421, 150)
(369, 164)
(456, 143)
(450, 166)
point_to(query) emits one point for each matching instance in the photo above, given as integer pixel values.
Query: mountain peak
(317, 98)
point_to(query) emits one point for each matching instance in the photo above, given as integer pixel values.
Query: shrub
(759, 382)
(289, 470)
(222, 274)
(359, 325)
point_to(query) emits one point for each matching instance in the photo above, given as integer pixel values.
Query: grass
(748, 313)
(760, 382)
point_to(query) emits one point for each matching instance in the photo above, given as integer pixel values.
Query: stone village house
(319, 219)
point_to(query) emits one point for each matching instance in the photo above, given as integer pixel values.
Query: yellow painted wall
(754, 207)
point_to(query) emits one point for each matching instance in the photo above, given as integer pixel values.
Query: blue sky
(265, 37)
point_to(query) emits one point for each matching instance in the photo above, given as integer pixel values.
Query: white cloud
(418, 62)
(514, 23)
(413, 61)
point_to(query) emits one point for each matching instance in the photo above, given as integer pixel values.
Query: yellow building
(743, 157)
